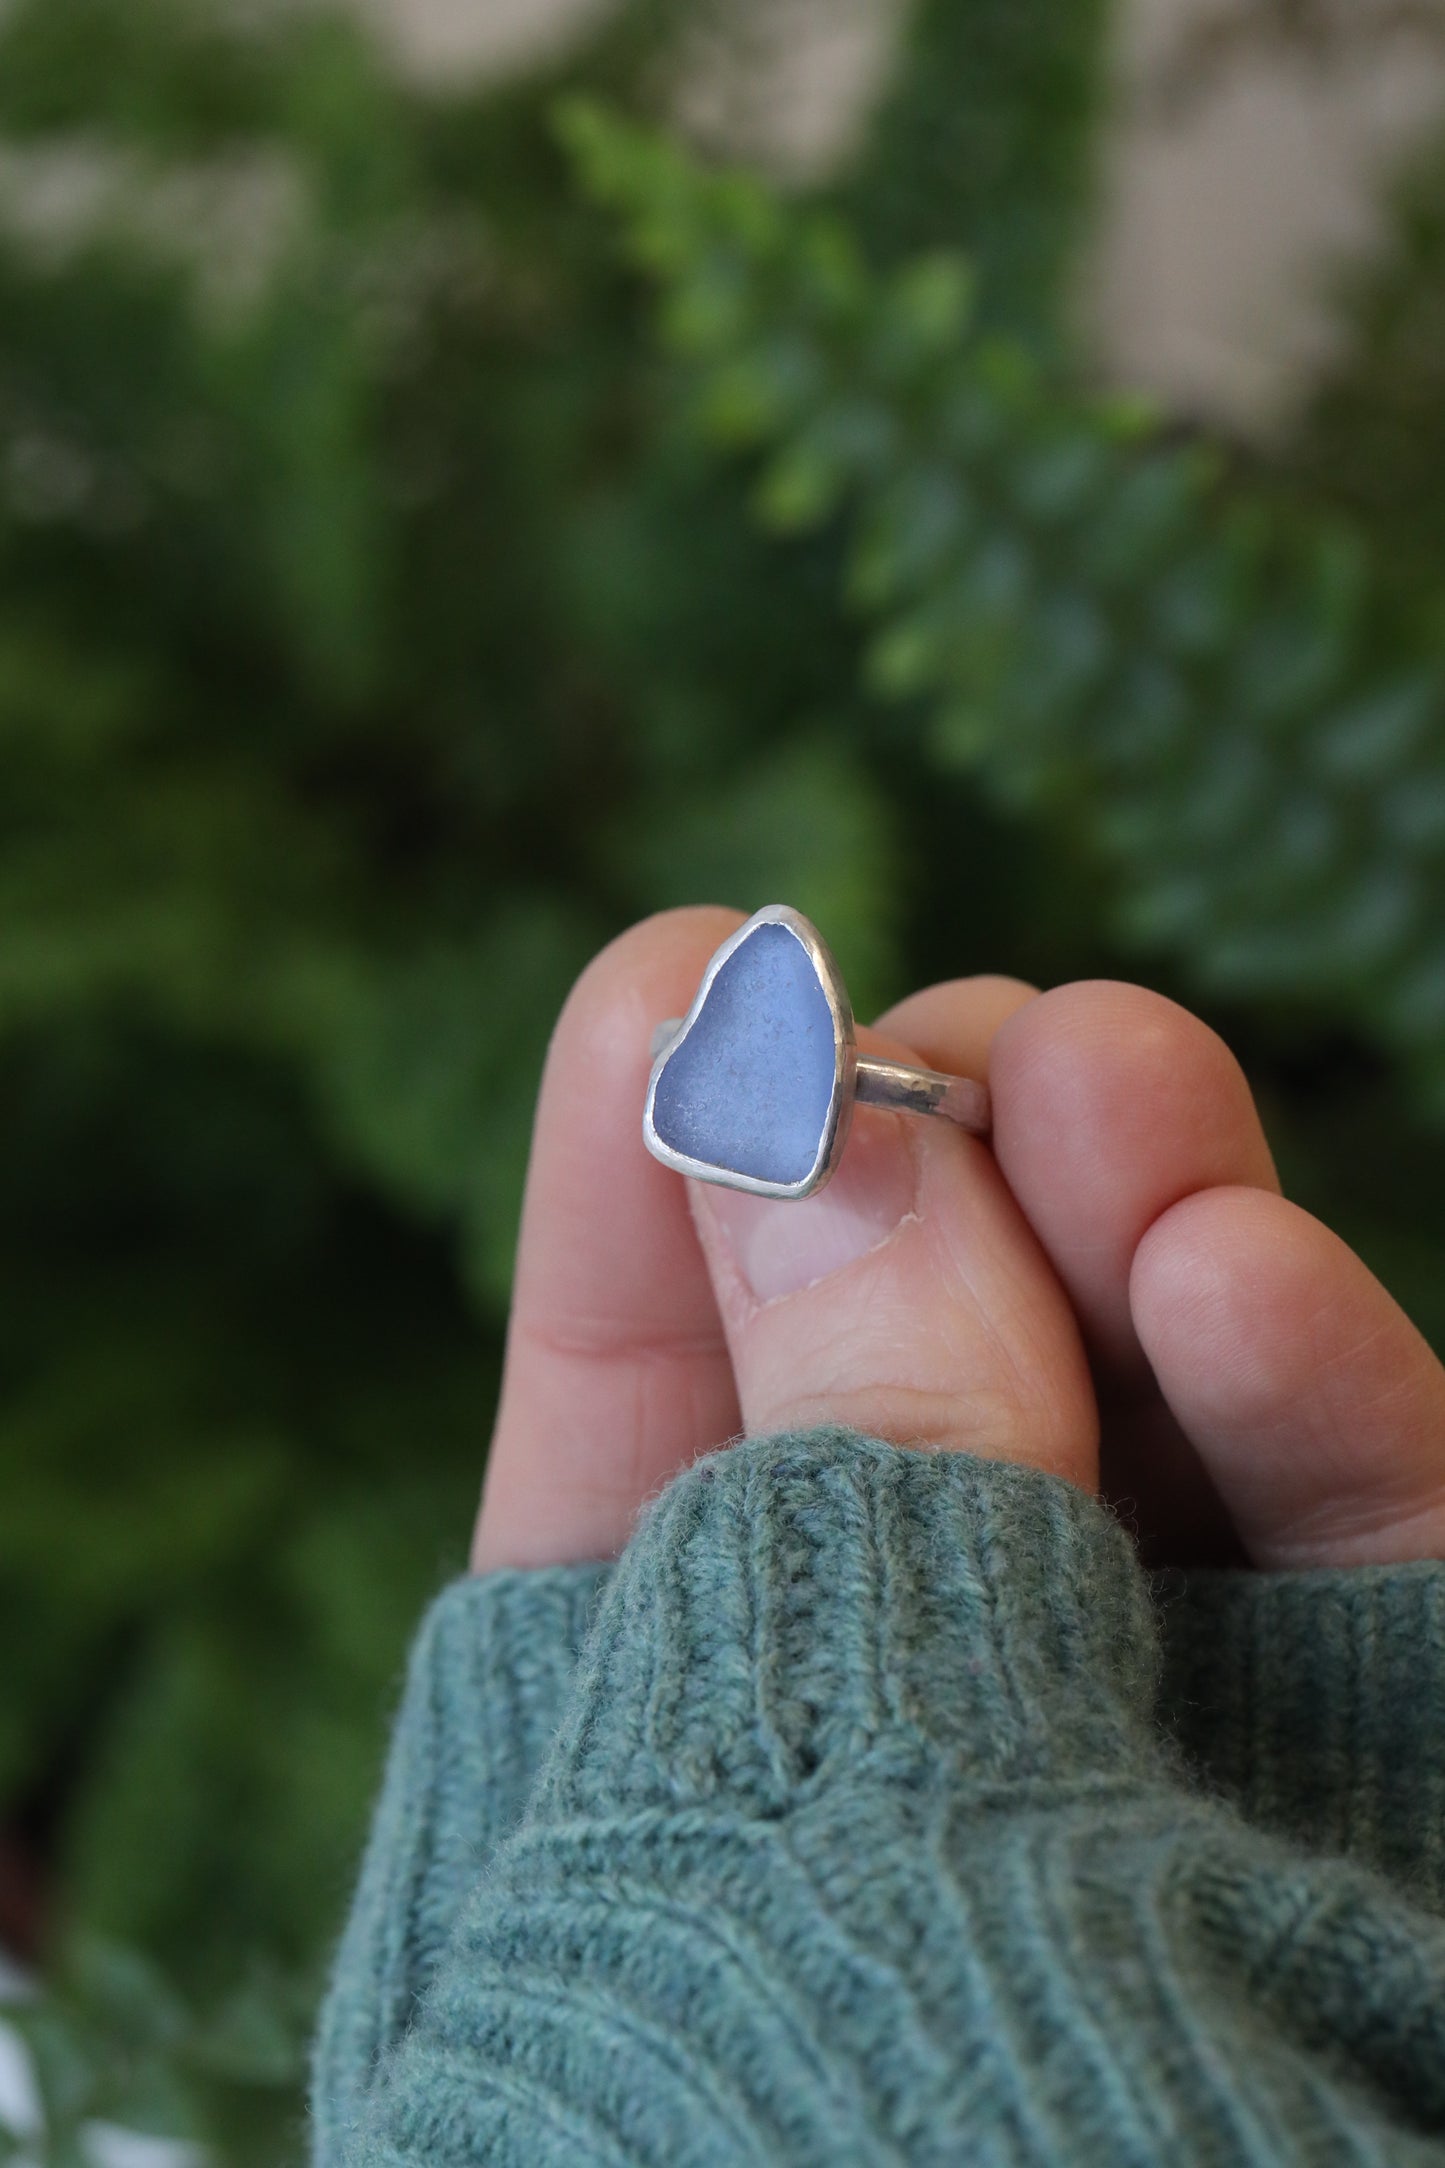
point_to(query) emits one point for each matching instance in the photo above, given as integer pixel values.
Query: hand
(1120, 1264)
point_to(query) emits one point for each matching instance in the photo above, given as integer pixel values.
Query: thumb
(908, 1299)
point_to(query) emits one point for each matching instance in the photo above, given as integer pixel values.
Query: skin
(1116, 1292)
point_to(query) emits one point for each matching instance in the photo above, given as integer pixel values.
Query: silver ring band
(960, 1099)
(763, 1098)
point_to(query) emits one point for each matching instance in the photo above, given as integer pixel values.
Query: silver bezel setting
(845, 1046)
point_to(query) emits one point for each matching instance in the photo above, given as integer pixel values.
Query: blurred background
(1011, 529)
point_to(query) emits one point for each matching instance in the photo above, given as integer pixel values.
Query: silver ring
(755, 1087)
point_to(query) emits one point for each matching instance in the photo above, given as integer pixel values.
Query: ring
(755, 1087)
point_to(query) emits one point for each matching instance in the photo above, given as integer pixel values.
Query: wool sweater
(876, 1807)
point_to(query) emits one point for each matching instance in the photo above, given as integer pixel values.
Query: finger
(908, 1298)
(1317, 1407)
(617, 1370)
(1110, 1104)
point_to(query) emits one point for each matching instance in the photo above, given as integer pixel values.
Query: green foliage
(112, 2040)
(379, 633)
(1105, 624)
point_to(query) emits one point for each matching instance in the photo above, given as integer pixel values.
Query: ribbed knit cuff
(811, 1604)
(488, 1673)
(1316, 1702)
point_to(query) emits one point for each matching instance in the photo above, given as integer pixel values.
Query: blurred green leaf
(1128, 636)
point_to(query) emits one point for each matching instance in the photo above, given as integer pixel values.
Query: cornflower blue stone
(750, 1084)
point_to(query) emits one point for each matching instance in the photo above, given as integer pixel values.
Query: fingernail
(777, 1247)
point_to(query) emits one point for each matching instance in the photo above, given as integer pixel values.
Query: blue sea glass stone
(750, 1086)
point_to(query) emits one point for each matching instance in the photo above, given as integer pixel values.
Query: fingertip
(1316, 1406)
(1110, 1103)
(1219, 1288)
(587, 1135)
(1121, 1062)
(616, 1370)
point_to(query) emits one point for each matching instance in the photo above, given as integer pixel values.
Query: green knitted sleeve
(860, 1838)
(485, 1686)
(1316, 1702)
